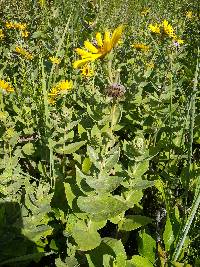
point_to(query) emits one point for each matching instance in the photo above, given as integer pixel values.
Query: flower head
(141, 47)
(99, 50)
(54, 60)
(2, 35)
(23, 52)
(62, 87)
(87, 71)
(6, 87)
(25, 33)
(16, 25)
(168, 29)
(189, 14)
(154, 28)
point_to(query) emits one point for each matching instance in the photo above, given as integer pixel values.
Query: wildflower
(145, 12)
(23, 52)
(150, 65)
(61, 88)
(101, 49)
(51, 101)
(16, 25)
(25, 33)
(168, 29)
(115, 90)
(87, 71)
(42, 3)
(154, 28)
(6, 87)
(2, 35)
(54, 60)
(140, 46)
(189, 14)
(178, 42)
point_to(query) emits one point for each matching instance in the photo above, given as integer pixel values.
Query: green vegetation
(99, 133)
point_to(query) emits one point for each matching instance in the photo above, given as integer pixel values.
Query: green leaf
(69, 262)
(147, 246)
(71, 148)
(28, 149)
(86, 165)
(133, 197)
(105, 254)
(93, 156)
(112, 159)
(132, 222)
(86, 237)
(101, 207)
(139, 168)
(143, 184)
(168, 235)
(139, 261)
(104, 183)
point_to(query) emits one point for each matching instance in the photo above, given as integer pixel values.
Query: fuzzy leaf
(132, 222)
(139, 261)
(101, 207)
(147, 246)
(168, 235)
(71, 148)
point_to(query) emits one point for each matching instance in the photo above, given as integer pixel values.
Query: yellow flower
(154, 28)
(23, 52)
(145, 11)
(61, 88)
(87, 71)
(168, 29)
(178, 42)
(140, 46)
(42, 3)
(189, 14)
(51, 101)
(5, 86)
(16, 25)
(101, 49)
(25, 33)
(54, 60)
(21, 26)
(2, 35)
(150, 65)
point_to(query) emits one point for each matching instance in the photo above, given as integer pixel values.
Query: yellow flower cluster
(2, 35)
(141, 47)
(55, 60)
(165, 28)
(100, 48)
(23, 52)
(22, 27)
(6, 87)
(62, 87)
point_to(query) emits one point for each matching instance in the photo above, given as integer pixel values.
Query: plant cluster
(99, 133)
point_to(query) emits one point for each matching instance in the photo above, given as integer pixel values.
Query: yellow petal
(116, 35)
(107, 42)
(79, 63)
(90, 47)
(99, 39)
(83, 53)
